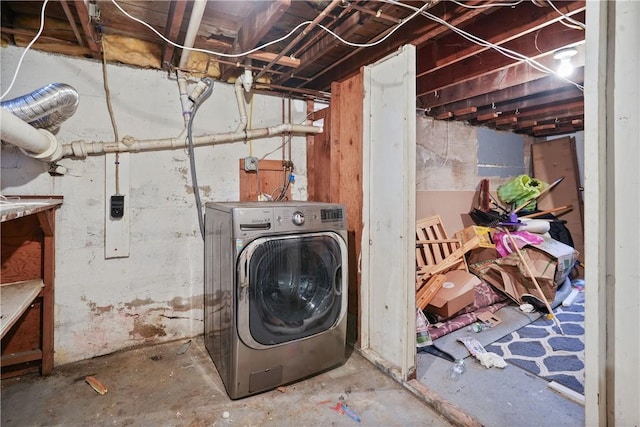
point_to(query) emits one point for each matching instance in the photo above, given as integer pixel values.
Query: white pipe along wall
(37, 143)
(197, 12)
(156, 293)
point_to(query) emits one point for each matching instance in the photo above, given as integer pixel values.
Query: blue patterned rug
(541, 349)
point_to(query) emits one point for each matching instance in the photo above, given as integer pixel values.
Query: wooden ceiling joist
(457, 78)
(72, 22)
(172, 29)
(465, 111)
(529, 21)
(488, 116)
(268, 57)
(555, 37)
(258, 24)
(445, 115)
(89, 33)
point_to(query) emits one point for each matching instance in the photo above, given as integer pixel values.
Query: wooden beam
(526, 19)
(513, 83)
(31, 35)
(490, 61)
(259, 22)
(89, 34)
(175, 16)
(465, 111)
(506, 121)
(556, 111)
(268, 57)
(567, 95)
(72, 22)
(544, 127)
(415, 32)
(328, 42)
(525, 124)
(488, 116)
(445, 115)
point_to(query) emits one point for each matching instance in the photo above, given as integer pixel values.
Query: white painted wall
(155, 294)
(612, 203)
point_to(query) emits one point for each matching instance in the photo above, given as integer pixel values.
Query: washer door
(291, 287)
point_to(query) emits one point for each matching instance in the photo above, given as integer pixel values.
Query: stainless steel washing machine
(275, 291)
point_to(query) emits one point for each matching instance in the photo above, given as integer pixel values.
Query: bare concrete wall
(155, 294)
(447, 168)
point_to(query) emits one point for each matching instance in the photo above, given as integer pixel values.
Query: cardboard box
(456, 293)
(550, 261)
(483, 235)
(564, 255)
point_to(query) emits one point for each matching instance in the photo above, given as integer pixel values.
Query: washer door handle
(337, 280)
(243, 277)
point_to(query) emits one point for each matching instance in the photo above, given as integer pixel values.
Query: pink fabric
(487, 299)
(522, 238)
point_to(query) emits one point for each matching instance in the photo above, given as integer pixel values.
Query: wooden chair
(435, 255)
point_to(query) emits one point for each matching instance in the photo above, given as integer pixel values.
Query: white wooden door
(388, 239)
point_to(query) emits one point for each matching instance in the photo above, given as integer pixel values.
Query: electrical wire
(26, 49)
(194, 49)
(286, 36)
(486, 6)
(107, 93)
(481, 42)
(192, 157)
(568, 18)
(284, 142)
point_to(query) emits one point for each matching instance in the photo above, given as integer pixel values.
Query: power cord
(192, 157)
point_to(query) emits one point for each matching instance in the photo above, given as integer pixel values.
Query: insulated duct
(45, 108)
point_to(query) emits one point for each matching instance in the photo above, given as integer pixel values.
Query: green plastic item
(521, 189)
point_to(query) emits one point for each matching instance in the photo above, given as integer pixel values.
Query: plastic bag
(521, 189)
(423, 338)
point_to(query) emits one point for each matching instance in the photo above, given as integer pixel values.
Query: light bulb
(565, 69)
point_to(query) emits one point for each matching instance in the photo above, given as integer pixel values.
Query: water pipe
(37, 143)
(192, 30)
(82, 149)
(239, 85)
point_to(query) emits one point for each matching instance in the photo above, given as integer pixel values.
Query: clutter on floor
(500, 279)
(175, 384)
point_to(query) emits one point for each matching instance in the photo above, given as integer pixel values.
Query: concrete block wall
(448, 172)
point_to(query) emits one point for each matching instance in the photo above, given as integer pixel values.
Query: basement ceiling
(488, 63)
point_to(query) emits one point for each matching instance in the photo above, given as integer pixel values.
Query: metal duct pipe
(45, 108)
(37, 143)
(82, 149)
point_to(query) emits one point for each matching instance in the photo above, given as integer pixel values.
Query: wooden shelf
(27, 284)
(15, 299)
(14, 208)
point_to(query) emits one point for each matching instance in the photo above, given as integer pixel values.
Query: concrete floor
(499, 397)
(158, 386)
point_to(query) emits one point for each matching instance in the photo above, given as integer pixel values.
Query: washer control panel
(297, 218)
(274, 217)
